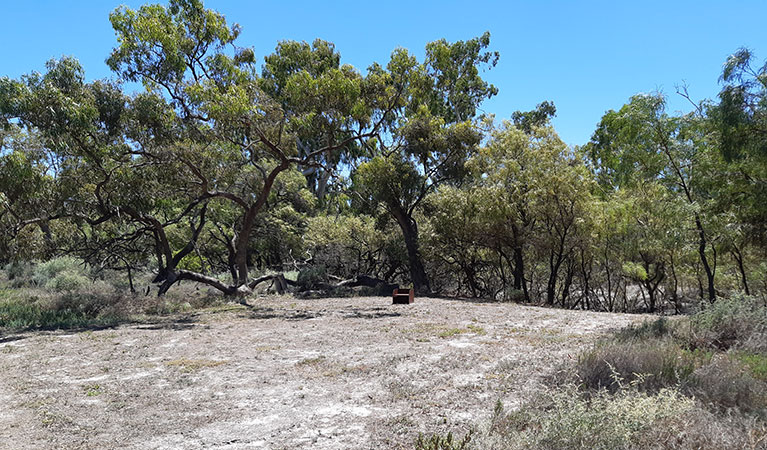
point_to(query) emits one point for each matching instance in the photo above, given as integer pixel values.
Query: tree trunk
(520, 283)
(738, 256)
(249, 221)
(703, 259)
(322, 184)
(551, 285)
(568, 283)
(675, 294)
(410, 234)
(519, 261)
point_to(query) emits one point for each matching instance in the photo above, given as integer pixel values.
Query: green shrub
(755, 362)
(19, 314)
(312, 277)
(66, 282)
(726, 384)
(729, 322)
(439, 442)
(656, 363)
(47, 270)
(564, 418)
(35, 308)
(19, 273)
(658, 328)
(62, 274)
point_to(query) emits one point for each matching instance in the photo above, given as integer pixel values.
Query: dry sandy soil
(288, 373)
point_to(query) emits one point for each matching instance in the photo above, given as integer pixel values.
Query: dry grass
(192, 365)
(688, 384)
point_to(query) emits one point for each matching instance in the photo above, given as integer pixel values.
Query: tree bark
(410, 234)
(738, 256)
(249, 221)
(702, 243)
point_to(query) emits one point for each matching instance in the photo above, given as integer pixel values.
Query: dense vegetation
(223, 170)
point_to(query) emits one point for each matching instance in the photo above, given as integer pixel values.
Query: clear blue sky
(587, 57)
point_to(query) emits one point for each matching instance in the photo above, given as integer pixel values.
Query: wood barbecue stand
(402, 296)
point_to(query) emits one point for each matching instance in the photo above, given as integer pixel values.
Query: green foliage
(19, 273)
(22, 309)
(737, 322)
(653, 364)
(66, 282)
(755, 362)
(649, 329)
(62, 274)
(539, 117)
(446, 442)
(741, 116)
(563, 418)
(163, 40)
(312, 277)
(634, 270)
(350, 245)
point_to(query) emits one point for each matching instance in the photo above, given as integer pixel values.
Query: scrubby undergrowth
(686, 383)
(63, 293)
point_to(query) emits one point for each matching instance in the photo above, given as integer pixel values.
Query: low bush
(700, 428)
(66, 282)
(658, 328)
(312, 277)
(755, 362)
(737, 322)
(443, 442)
(696, 382)
(15, 314)
(565, 418)
(65, 266)
(727, 384)
(656, 363)
(19, 273)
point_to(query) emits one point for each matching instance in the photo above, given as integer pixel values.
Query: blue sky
(587, 57)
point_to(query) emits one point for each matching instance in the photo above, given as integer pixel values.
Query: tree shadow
(292, 315)
(175, 322)
(478, 300)
(11, 338)
(370, 313)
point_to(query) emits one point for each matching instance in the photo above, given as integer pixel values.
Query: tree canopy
(227, 170)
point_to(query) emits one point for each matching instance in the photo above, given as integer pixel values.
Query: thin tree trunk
(702, 243)
(738, 256)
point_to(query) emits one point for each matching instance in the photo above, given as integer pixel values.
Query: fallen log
(366, 280)
(279, 282)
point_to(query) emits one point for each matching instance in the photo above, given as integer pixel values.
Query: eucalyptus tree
(538, 193)
(201, 149)
(64, 133)
(303, 79)
(25, 189)
(428, 136)
(642, 143)
(739, 121)
(461, 244)
(233, 139)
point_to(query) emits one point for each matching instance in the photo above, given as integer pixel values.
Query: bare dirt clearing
(289, 373)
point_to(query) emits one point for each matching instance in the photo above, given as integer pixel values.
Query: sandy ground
(288, 373)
